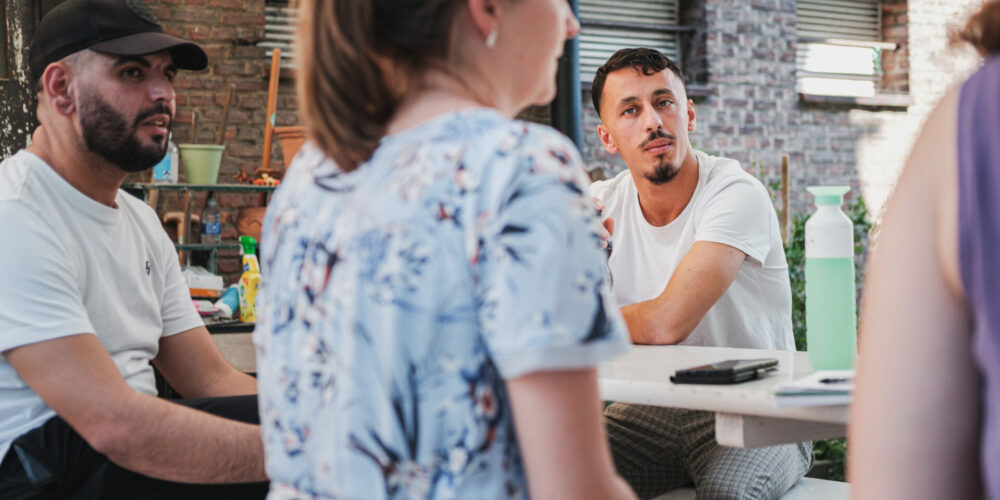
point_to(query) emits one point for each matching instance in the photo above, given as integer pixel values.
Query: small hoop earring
(491, 39)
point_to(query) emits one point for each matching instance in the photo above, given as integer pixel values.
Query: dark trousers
(64, 466)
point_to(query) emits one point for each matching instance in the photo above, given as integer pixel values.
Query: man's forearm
(647, 324)
(167, 441)
(701, 278)
(229, 383)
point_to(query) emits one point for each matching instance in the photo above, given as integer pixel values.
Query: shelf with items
(194, 247)
(149, 192)
(231, 188)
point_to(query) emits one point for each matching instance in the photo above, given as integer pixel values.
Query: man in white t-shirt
(92, 294)
(696, 259)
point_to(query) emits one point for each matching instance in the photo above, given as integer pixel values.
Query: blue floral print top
(397, 298)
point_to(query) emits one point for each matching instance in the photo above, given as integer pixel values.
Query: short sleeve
(41, 297)
(739, 215)
(545, 303)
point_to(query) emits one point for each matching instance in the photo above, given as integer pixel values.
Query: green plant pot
(201, 162)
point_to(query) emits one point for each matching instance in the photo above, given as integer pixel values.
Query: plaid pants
(660, 449)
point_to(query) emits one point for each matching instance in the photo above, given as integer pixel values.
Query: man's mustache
(159, 109)
(657, 134)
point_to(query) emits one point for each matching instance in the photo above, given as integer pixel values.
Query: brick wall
(229, 31)
(934, 67)
(896, 63)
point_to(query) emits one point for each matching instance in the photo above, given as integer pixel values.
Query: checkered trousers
(660, 449)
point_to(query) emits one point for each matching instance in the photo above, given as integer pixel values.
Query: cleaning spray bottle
(249, 281)
(831, 320)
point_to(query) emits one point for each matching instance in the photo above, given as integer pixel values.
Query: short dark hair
(648, 61)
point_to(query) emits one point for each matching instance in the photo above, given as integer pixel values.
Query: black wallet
(731, 371)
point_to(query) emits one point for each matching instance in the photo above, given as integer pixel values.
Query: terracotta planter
(291, 139)
(250, 221)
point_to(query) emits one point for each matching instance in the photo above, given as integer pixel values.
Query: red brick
(223, 33)
(237, 117)
(227, 4)
(251, 101)
(243, 18)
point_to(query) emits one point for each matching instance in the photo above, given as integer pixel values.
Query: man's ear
(485, 15)
(609, 144)
(56, 88)
(691, 116)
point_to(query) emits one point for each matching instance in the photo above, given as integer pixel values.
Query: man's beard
(665, 171)
(106, 132)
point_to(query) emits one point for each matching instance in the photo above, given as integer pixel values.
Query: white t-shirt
(729, 206)
(70, 265)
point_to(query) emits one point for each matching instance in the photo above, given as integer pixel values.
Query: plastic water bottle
(166, 170)
(211, 223)
(831, 321)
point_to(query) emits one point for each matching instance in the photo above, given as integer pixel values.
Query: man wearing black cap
(92, 293)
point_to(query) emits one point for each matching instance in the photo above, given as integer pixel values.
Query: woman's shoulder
(489, 128)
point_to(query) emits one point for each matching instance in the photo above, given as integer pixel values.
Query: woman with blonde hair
(435, 297)
(926, 420)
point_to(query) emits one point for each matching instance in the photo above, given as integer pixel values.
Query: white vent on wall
(279, 30)
(839, 48)
(609, 25)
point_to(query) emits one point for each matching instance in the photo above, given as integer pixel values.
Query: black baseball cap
(116, 27)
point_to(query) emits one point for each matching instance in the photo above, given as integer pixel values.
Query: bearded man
(93, 297)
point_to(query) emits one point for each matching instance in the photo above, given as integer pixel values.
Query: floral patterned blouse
(397, 298)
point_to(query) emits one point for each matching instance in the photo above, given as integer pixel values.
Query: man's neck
(87, 172)
(661, 204)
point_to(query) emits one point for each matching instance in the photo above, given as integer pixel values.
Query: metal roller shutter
(279, 30)
(839, 19)
(609, 25)
(839, 47)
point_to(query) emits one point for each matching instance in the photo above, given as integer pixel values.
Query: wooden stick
(225, 114)
(193, 138)
(183, 232)
(272, 105)
(784, 199)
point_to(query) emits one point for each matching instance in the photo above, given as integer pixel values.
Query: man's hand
(77, 378)
(700, 279)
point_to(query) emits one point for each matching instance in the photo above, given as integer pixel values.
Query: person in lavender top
(926, 421)
(435, 295)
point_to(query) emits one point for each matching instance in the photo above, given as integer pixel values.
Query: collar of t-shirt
(73, 197)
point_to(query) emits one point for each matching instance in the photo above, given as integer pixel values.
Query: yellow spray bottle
(249, 281)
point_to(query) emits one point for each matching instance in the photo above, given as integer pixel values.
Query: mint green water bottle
(831, 321)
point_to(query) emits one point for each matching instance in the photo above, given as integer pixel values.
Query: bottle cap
(223, 309)
(829, 195)
(248, 244)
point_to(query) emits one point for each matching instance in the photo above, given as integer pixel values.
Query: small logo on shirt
(149, 268)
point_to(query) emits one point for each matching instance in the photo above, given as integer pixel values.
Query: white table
(746, 415)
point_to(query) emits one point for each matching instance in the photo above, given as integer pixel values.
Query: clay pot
(291, 139)
(250, 221)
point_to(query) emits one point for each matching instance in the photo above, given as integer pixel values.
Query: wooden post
(184, 232)
(785, 236)
(272, 106)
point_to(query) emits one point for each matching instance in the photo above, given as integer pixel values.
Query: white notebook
(822, 388)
